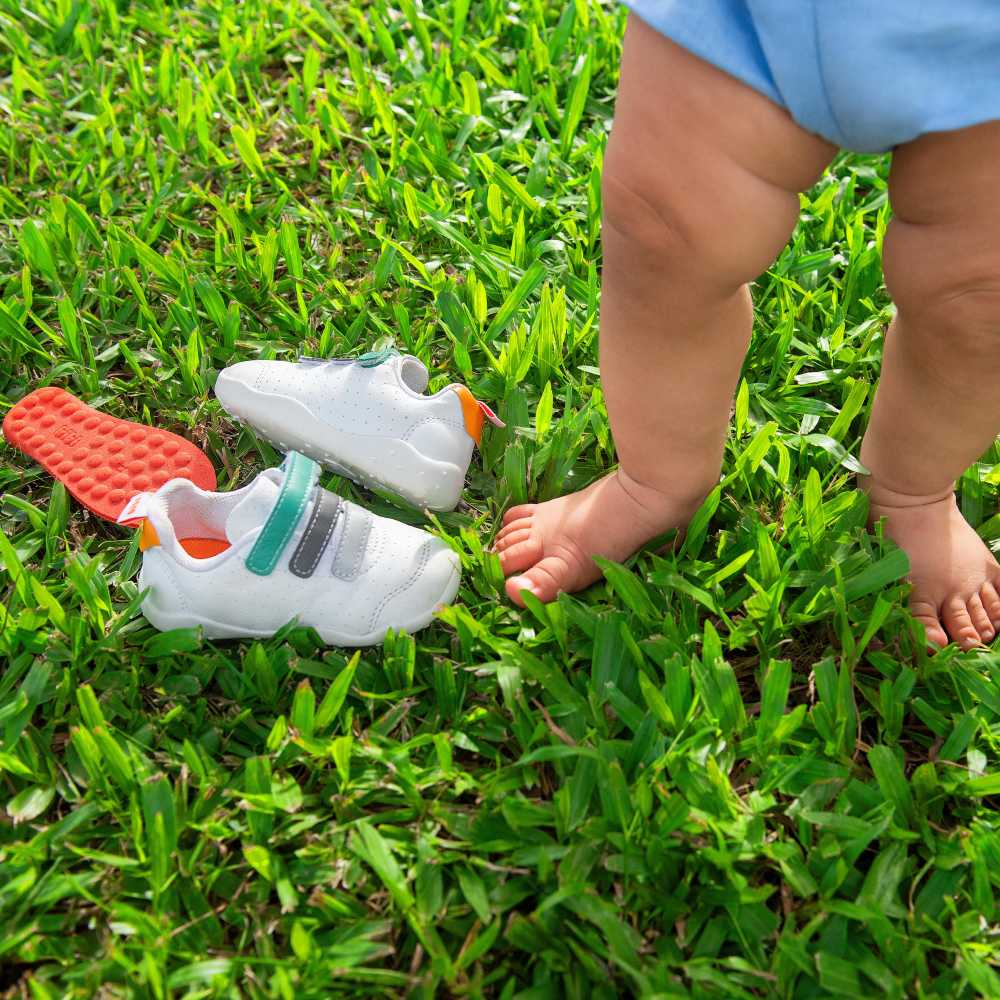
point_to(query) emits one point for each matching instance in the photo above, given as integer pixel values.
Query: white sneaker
(244, 564)
(366, 418)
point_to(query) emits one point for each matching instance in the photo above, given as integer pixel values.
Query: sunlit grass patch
(730, 770)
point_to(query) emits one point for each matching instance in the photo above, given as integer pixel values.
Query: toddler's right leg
(700, 186)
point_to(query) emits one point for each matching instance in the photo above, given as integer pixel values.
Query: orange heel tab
(134, 515)
(474, 413)
(148, 538)
(471, 414)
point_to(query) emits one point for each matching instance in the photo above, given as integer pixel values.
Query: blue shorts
(864, 74)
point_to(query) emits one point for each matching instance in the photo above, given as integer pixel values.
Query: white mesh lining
(194, 514)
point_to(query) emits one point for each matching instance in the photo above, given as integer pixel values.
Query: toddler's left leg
(700, 184)
(937, 408)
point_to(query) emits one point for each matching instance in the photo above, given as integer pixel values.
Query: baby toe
(991, 601)
(524, 510)
(926, 613)
(545, 579)
(980, 618)
(517, 525)
(508, 538)
(957, 620)
(520, 555)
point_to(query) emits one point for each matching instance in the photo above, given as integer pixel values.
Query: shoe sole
(101, 460)
(289, 425)
(165, 621)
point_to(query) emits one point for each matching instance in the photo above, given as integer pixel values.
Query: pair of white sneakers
(243, 564)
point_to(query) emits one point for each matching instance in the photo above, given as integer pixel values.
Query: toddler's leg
(938, 404)
(700, 193)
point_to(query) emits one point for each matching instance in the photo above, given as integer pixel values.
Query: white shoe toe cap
(266, 377)
(434, 583)
(232, 382)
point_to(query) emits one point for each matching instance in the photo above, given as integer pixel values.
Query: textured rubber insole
(102, 461)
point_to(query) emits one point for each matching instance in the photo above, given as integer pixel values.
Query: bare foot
(551, 545)
(954, 575)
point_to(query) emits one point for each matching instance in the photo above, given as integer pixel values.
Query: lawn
(730, 770)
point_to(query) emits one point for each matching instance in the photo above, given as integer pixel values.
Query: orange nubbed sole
(102, 461)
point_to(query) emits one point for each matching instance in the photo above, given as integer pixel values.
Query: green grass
(729, 772)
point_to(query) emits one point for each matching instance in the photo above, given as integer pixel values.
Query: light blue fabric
(865, 74)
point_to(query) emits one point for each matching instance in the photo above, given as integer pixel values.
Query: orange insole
(102, 461)
(198, 548)
(203, 548)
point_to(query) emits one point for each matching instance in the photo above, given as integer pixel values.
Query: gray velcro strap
(353, 542)
(326, 509)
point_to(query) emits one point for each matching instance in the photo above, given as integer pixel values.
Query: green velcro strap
(372, 359)
(301, 474)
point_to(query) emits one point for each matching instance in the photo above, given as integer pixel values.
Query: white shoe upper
(295, 551)
(367, 418)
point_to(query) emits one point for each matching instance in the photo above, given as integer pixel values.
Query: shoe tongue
(253, 510)
(413, 373)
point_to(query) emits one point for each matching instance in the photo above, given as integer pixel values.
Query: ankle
(882, 494)
(654, 500)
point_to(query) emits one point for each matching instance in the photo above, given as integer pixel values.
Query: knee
(641, 218)
(720, 235)
(945, 287)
